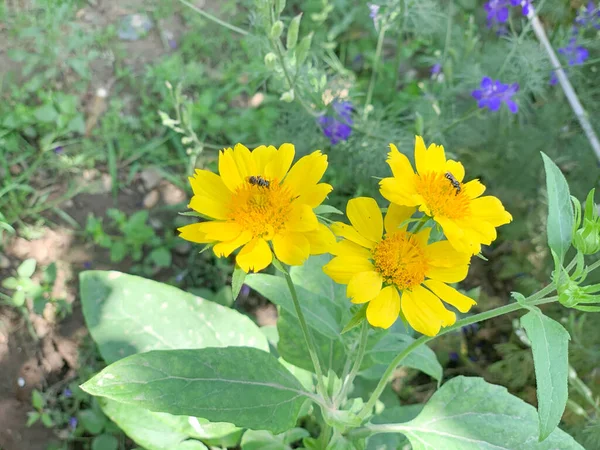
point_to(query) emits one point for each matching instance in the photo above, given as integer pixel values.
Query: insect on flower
(455, 183)
(257, 180)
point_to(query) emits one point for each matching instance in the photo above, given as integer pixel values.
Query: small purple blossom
(499, 10)
(58, 150)
(244, 292)
(589, 16)
(575, 54)
(436, 68)
(337, 127)
(73, 423)
(67, 393)
(453, 356)
(87, 265)
(493, 93)
(373, 10)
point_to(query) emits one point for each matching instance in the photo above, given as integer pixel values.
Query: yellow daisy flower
(397, 270)
(256, 199)
(437, 188)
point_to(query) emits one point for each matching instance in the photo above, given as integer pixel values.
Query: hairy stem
(362, 347)
(215, 19)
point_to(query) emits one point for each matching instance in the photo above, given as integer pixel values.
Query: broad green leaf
(263, 440)
(27, 268)
(127, 314)
(397, 414)
(310, 276)
(37, 400)
(561, 217)
(10, 283)
(327, 209)
(550, 346)
(240, 385)
(105, 442)
(92, 420)
(320, 313)
(467, 413)
(384, 351)
(160, 431)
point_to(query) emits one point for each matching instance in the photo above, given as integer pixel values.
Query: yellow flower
(258, 199)
(468, 220)
(397, 270)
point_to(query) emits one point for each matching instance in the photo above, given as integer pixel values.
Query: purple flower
(589, 16)
(68, 393)
(499, 10)
(58, 150)
(493, 93)
(453, 356)
(87, 265)
(524, 4)
(437, 68)
(73, 423)
(337, 127)
(374, 10)
(575, 54)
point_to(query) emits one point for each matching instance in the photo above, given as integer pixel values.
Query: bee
(258, 181)
(455, 183)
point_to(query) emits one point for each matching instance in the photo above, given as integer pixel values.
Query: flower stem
(215, 19)
(310, 345)
(362, 347)
(535, 299)
(375, 69)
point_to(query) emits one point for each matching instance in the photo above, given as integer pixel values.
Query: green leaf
(467, 413)
(46, 113)
(550, 346)
(160, 431)
(32, 417)
(127, 314)
(47, 420)
(561, 217)
(292, 34)
(241, 385)
(92, 420)
(358, 318)
(397, 414)
(105, 442)
(10, 283)
(237, 280)
(320, 313)
(384, 351)
(18, 298)
(161, 256)
(327, 209)
(27, 268)
(263, 440)
(37, 400)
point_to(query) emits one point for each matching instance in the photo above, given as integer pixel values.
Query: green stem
(215, 19)
(375, 69)
(535, 299)
(362, 347)
(308, 338)
(325, 436)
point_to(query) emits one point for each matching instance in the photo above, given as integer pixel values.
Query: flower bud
(292, 34)
(570, 294)
(270, 61)
(288, 96)
(277, 29)
(587, 238)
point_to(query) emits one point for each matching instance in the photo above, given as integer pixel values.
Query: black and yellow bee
(455, 183)
(258, 181)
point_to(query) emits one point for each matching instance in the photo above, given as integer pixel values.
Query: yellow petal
(364, 286)
(422, 237)
(279, 166)
(443, 254)
(226, 248)
(473, 188)
(456, 169)
(399, 163)
(396, 215)
(194, 233)
(455, 235)
(220, 231)
(365, 217)
(291, 248)
(306, 172)
(383, 310)
(208, 184)
(321, 240)
(255, 256)
(315, 195)
(349, 248)
(450, 295)
(348, 232)
(399, 191)
(228, 170)
(302, 218)
(452, 274)
(262, 156)
(480, 231)
(342, 268)
(491, 210)
(210, 207)
(425, 312)
(431, 160)
(244, 161)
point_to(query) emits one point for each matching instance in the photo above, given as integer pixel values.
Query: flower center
(443, 195)
(261, 206)
(400, 260)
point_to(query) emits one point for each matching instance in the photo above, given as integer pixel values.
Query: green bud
(279, 6)
(302, 49)
(570, 294)
(587, 238)
(270, 61)
(292, 34)
(276, 30)
(288, 96)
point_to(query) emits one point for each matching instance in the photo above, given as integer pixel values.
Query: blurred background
(107, 106)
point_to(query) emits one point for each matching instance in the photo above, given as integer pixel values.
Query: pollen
(400, 259)
(262, 209)
(443, 195)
